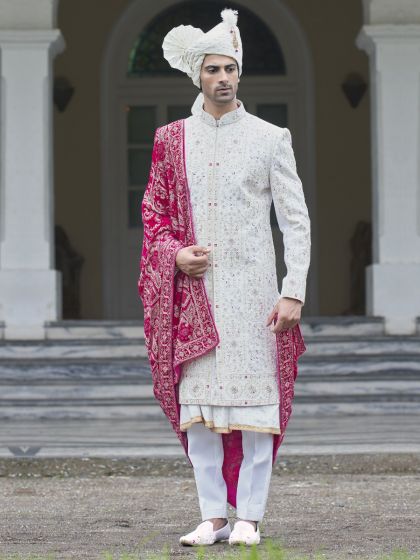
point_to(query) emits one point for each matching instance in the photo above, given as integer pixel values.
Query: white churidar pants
(205, 449)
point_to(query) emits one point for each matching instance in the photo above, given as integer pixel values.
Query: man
(208, 283)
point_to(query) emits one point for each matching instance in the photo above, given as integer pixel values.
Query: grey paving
(306, 435)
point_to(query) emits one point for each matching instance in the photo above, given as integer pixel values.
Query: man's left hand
(288, 312)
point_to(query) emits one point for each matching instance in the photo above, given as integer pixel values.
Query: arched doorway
(142, 92)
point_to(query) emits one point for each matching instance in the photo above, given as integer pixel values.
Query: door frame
(298, 84)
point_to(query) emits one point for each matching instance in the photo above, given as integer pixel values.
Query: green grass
(266, 551)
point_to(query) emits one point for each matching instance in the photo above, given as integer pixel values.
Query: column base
(392, 291)
(28, 298)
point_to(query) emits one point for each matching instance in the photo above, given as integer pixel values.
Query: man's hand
(288, 312)
(193, 260)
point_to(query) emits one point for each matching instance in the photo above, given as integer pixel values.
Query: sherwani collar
(227, 118)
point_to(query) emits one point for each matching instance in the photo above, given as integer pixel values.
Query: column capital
(28, 14)
(377, 12)
(372, 35)
(33, 39)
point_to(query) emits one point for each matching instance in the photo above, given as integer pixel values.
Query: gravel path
(345, 506)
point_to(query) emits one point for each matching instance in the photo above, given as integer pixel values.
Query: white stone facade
(393, 279)
(30, 287)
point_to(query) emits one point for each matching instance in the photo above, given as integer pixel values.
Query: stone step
(343, 365)
(143, 412)
(27, 394)
(319, 326)
(363, 346)
(134, 348)
(122, 371)
(99, 369)
(85, 371)
(94, 374)
(357, 325)
(101, 349)
(69, 398)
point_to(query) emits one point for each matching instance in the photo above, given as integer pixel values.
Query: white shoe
(244, 532)
(205, 534)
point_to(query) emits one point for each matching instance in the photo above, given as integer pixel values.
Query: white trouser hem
(250, 514)
(213, 513)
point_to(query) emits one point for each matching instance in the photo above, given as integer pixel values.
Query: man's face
(219, 78)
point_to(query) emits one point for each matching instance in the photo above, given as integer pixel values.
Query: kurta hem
(209, 424)
(225, 419)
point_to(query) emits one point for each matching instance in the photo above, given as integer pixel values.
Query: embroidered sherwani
(236, 166)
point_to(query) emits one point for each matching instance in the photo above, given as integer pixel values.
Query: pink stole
(178, 322)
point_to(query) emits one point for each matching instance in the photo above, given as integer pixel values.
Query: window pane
(176, 112)
(139, 163)
(275, 114)
(141, 124)
(134, 207)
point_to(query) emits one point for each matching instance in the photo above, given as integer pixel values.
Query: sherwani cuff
(291, 290)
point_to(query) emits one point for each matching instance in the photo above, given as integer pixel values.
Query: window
(262, 53)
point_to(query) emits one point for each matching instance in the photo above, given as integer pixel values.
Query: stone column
(393, 280)
(30, 288)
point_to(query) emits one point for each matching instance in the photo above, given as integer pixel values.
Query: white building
(82, 161)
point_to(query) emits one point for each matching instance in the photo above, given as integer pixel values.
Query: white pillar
(393, 280)
(30, 288)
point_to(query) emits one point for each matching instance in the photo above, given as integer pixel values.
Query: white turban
(185, 46)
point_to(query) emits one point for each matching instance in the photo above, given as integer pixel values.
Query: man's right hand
(193, 260)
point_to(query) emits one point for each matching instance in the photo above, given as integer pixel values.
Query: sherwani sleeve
(292, 216)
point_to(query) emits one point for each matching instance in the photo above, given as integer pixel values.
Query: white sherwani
(235, 167)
